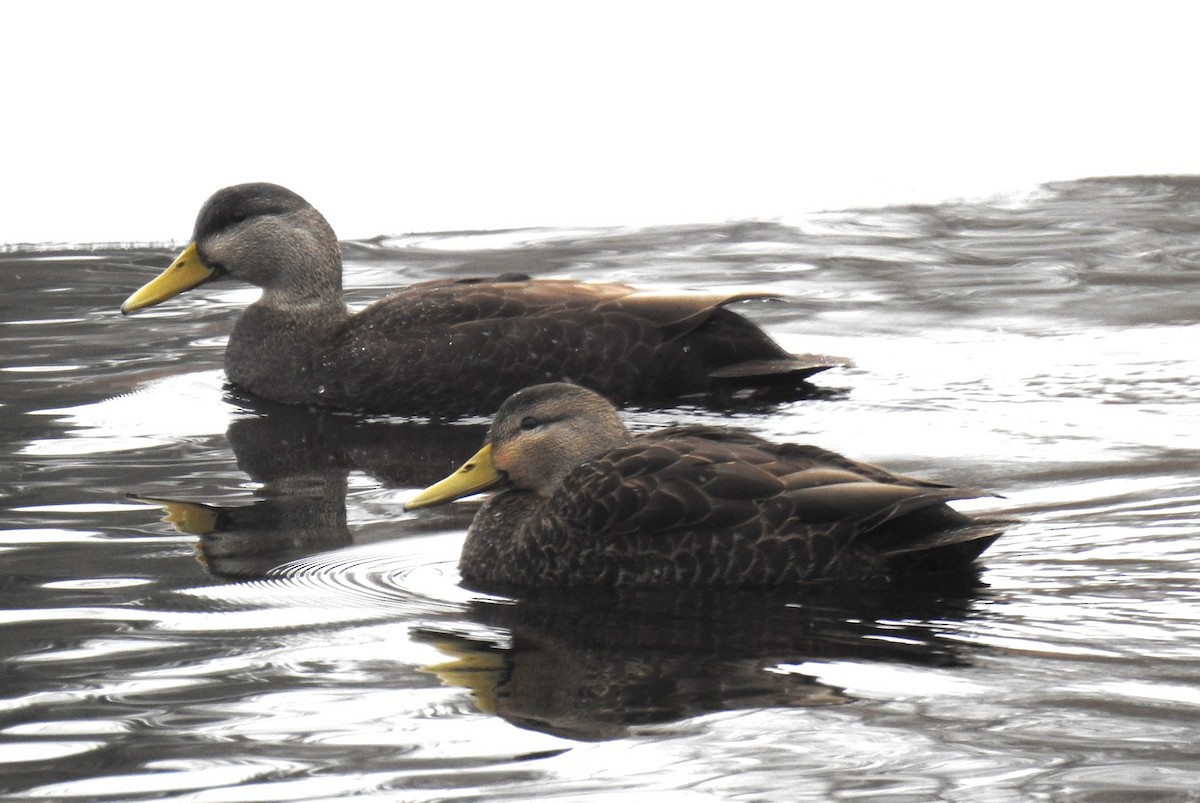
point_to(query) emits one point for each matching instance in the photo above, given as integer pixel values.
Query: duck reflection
(588, 666)
(591, 667)
(302, 459)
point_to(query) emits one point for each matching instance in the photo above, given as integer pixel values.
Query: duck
(582, 502)
(453, 347)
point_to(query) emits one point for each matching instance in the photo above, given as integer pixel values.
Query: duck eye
(529, 422)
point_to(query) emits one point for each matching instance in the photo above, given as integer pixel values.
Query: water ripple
(387, 579)
(1042, 346)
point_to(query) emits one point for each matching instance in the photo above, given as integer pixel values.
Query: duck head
(538, 436)
(263, 234)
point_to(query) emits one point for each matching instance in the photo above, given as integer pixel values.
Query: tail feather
(794, 367)
(923, 535)
(947, 551)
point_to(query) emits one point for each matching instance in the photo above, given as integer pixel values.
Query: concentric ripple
(413, 578)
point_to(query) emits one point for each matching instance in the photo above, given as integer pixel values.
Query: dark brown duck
(448, 348)
(586, 503)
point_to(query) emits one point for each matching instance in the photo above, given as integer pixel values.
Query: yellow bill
(184, 273)
(475, 476)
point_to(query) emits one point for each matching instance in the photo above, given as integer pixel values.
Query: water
(307, 640)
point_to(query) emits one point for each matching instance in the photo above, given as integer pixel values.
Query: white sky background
(120, 118)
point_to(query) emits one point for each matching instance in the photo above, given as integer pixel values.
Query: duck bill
(184, 273)
(476, 475)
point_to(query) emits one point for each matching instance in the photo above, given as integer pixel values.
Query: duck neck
(303, 269)
(271, 349)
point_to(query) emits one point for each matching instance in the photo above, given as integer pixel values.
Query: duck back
(449, 348)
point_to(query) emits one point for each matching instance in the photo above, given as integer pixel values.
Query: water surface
(300, 637)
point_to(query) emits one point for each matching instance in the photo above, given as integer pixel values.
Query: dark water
(307, 639)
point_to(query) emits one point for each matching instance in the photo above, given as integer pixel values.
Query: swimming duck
(451, 347)
(585, 503)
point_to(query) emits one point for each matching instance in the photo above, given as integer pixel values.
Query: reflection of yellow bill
(476, 475)
(184, 273)
(191, 518)
(478, 670)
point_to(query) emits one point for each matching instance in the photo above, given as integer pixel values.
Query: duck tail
(740, 354)
(945, 551)
(791, 367)
(919, 533)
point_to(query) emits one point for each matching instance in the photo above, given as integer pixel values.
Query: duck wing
(449, 348)
(710, 508)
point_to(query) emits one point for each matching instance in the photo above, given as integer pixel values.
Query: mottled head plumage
(233, 205)
(543, 431)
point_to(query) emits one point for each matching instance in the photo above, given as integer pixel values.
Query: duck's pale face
(543, 432)
(539, 435)
(542, 451)
(294, 253)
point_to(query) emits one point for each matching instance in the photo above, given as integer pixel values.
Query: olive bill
(187, 271)
(474, 476)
